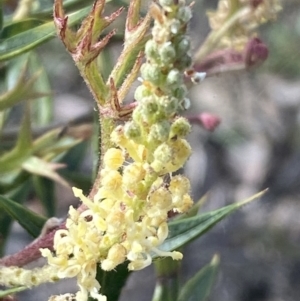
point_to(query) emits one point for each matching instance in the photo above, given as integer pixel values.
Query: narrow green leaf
(43, 106)
(18, 27)
(122, 69)
(59, 149)
(29, 39)
(69, 5)
(5, 222)
(13, 159)
(112, 282)
(46, 169)
(47, 139)
(30, 221)
(198, 288)
(183, 231)
(23, 88)
(19, 191)
(167, 273)
(44, 189)
(12, 291)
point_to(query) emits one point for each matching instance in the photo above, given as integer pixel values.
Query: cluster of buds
(250, 14)
(127, 217)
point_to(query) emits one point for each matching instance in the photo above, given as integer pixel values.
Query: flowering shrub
(138, 194)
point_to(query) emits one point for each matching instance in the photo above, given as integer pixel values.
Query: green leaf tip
(252, 198)
(183, 231)
(29, 220)
(198, 288)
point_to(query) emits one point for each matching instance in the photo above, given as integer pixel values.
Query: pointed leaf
(30, 221)
(31, 38)
(23, 88)
(12, 291)
(13, 159)
(113, 281)
(43, 105)
(198, 288)
(70, 5)
(44, 189)
(18, 27)
(46, 140)
(20, 193)
(183, 231)
(167, 272)
(46, 169)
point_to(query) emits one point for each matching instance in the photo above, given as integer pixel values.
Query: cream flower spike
(127, 219)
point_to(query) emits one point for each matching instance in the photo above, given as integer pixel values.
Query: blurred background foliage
(256, 146)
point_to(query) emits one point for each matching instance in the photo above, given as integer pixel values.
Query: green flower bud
(151, 50)
(174, 77)
(162, 156)
(141, 92)
(184, 14)
(152, 73)
(180, 92)
(179, 128)
(160, 131)
(183, 46)
(175, 26)
(181, 150)
(167, 53)
(137, 114)
(132, 130)
(149, 109)
(184, 63)
(168, 106)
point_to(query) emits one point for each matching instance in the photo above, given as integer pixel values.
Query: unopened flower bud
(162, 155)
(151, 50)
(115, 256)
(160, 131)
(113, 158)
(133, 174)
(180, 92)
(182, 46)
(207, 121)
(175, 26)
(167, 53)
(148, 109)
(174, 77)
(184, 14)
(141, 92)
(152, 73)
(168, 106)
(160, 198)
(132, 130)
(180, 128)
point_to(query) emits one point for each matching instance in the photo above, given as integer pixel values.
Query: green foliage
(29, 161)
(198, 288)
(29, 220)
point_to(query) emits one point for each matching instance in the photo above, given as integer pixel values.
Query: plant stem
(214, 37)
